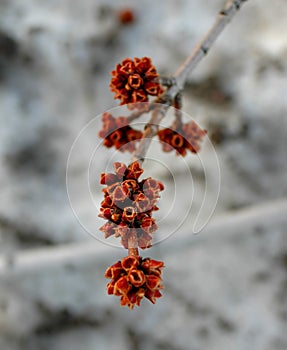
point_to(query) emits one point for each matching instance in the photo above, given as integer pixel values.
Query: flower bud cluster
(134, 80)
(184, 137)
(118, 133)
(128, 204)
(133, 278)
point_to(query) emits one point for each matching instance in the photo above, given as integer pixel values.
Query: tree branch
(224, 17)
(201, 49)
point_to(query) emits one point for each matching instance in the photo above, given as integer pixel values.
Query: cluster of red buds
(134, 80)
(133, 278)
(129, 203)
(184, 137)
(118, 133)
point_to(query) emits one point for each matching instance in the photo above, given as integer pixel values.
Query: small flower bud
(185, 137)
(131, 280)
(133, 80)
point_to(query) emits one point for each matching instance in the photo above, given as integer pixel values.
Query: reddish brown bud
(136, 277)
(185, 137)
(114, 271)
(119, 194)
(130, 186)
(134, 171)
(130, 262)
(120, 169)
(133, 135)
(150, 264)
(132, 281)
(152, 295)
(106, 213)
(128, 205)
(118, 133)
(109, 229)
(177, 141)
(129, 214)
(126, 16)
(152, 88)
(153, 281)
(133, 80)
(107, 202)
(108, 179)
(110, 287)
(142, 203)
(122, 286)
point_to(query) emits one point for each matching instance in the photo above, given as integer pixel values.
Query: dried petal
(122, 286)
(152, 281)
(134, 171)
(130, 262)
(120, 169)
(108, 179)
(119, 194)
(129, 214)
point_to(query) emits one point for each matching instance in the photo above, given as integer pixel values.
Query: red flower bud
(130, 262)
(131, 281)
(129, 214)
(126, 16)
(120, 169)
(185, 137)
(108, 179)
(133, 80)
(128, 205)
(122, 286)
(134, 171)
(118, 133)
(136, 277)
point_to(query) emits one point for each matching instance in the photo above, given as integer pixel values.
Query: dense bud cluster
(128, 204)
(133, 80)
(184, 137)
(118, 133)
(133, 278)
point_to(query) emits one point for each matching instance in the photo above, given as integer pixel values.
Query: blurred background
(226, 287)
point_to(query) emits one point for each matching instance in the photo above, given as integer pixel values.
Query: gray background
(225, 287)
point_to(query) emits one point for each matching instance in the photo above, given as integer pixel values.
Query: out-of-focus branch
(245, 221)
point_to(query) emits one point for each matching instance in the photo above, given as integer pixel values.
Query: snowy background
(226, 287)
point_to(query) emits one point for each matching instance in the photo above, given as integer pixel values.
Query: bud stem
(133, 244)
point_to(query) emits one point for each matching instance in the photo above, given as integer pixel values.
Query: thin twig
(133, 244)
(178, 113)
(225, 15)
(151, 130)
(142, 108)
